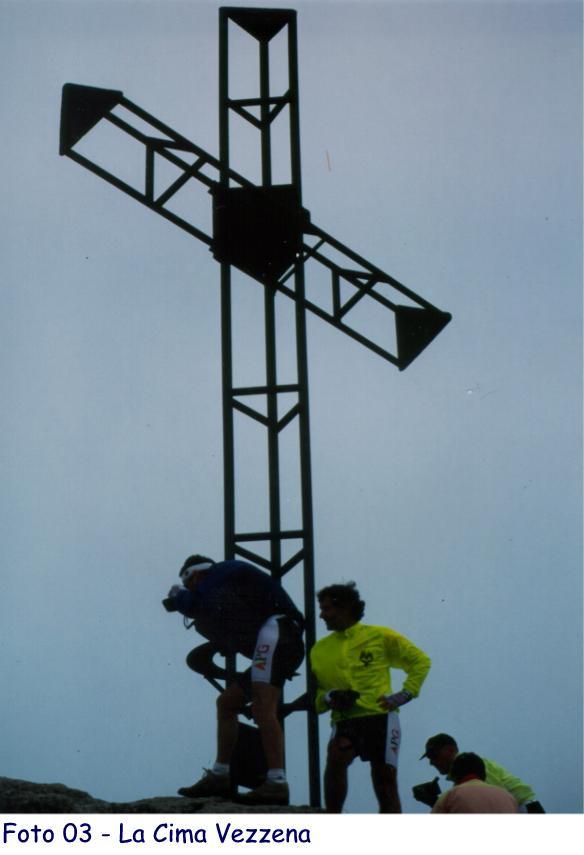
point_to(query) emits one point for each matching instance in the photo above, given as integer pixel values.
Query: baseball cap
(435, 743)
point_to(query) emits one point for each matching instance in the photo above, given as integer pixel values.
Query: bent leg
(229, 704)
(340, 755)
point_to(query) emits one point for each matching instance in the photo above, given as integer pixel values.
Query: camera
(342, 699)
(427, 793)
(169, 604)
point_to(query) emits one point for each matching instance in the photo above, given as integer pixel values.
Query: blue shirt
(231, 604)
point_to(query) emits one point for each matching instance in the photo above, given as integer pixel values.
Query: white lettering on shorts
(393, 739)
(263, 655)
(260, 657)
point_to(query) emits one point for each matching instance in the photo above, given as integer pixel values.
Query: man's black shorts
(371, 737)
(278, 653)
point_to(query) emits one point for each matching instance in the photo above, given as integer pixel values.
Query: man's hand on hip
(392, 702)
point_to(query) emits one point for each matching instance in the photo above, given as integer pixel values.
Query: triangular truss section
(82, 107)
(262, 392)
(261, 24)
(167, 173)
(250, 109)
(415, 329)
(256, 541)
(364, 282)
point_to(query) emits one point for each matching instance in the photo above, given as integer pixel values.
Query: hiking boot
(268, 793)
(209, 785)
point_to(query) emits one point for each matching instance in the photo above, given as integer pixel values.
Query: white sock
(277, 775)
(221, 769)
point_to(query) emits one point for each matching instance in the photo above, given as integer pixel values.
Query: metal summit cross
(261, 229)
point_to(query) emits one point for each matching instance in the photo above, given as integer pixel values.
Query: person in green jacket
(442, 750)
(352, 671)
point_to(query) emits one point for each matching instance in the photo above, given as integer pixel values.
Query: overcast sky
(441, 141)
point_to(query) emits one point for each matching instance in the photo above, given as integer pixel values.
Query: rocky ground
(28, 797)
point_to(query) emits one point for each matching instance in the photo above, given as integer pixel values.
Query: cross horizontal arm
(171, 137)
(416, 324)
(354, 282)
(366, 268)
(83, 107)
(140, 197)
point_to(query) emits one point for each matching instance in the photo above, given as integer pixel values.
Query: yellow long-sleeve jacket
(498, 776)
(359, 658)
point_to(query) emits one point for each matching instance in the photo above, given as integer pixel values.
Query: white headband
(187, 572)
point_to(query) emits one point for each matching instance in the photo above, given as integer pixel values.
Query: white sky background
(440, 140)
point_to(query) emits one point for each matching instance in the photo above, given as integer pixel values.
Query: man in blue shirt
(241, 609)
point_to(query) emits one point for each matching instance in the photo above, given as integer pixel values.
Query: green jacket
(359, 658)
(500, 777)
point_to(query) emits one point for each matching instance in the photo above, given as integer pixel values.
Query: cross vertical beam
(262, 26)
(304, 425)
(226, 313)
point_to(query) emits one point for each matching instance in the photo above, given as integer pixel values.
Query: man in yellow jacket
(442, 751)
(351, 667)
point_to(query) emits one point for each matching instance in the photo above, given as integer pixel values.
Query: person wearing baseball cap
(242, 610)
(441, 751)
(434, 748)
